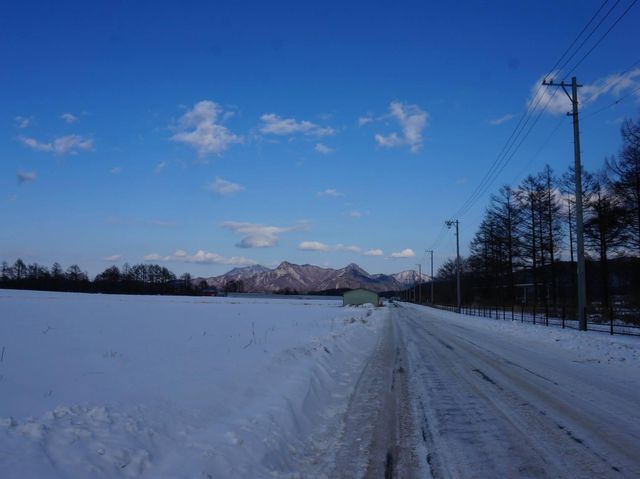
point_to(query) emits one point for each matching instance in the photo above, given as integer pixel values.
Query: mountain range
(308, 278)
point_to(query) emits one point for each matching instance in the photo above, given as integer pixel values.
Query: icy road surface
(491, 402)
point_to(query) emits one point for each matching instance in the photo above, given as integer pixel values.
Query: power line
(621, 76)
(542, 147)
(606, 15)
(611, 104)
(593, 17)
(512, 145)
(601, 38)
(478, 191)
(505, 161)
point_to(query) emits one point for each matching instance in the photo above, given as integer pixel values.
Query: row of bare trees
(525, 247)
(139, 278)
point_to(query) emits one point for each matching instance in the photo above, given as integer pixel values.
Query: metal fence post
(611, 319)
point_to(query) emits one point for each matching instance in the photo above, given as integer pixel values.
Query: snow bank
(586, 346)
(139, 386)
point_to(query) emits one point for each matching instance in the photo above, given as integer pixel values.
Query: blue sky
(206, 135)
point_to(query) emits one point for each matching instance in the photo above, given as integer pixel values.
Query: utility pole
(450, 223)
(431, 251)
(582, 288)
(419, 283)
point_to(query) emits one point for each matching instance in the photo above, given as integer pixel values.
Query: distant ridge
(307, 278)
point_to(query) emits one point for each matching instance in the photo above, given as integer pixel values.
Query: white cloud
(389, 141)
(116, 171)
(323, 149)
(347, 248)
(199, 128)
(163, 223)
(200, 257)
(22, 122)
(502, 119)
(115, 257)
(318, 246)
(60, 146)
(330, 192)
(161, 166)
(259, 235)
(405, 253)
(363, 120)
(258, 241)
(558, 103)
(412, 119)
(26, 176)
(374, 252)
(355, 214)
(553, 98)
(313, 246)
(69, 118)
(615, 84)
(223, 187)
(273, 124)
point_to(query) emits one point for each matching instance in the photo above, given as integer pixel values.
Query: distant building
(356, 297)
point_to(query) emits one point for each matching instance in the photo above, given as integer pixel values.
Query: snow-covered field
(140, 386)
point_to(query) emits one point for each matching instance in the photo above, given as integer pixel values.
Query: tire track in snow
(481, 417)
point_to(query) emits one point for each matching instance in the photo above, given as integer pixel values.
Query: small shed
(356, 297)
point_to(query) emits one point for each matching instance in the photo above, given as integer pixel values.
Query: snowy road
(490, 405)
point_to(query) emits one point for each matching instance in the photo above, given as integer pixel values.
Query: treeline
(136, 279)
(524, 250)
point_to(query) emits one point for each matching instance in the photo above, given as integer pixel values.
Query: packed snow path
(491, 405)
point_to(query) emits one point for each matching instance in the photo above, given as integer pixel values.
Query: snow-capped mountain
(308, 278)
(409, 277)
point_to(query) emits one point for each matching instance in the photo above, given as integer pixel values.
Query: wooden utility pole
(582, 287)
(419, 283)
(431, 251)
(458, 265)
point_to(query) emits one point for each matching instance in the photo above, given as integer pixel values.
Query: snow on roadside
(133, 386)
(587, 346)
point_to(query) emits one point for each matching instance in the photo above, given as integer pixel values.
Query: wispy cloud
(160, 166)
(313, 246)
(223, 187)
(319, 246)
(347, 248)
(200, 129)
(69, 118)
(374, 252)
(273, 124)
(557, 102)
(405, 253)
(330, 192)
(412, 120)
(200, 257)
(115, 257)
(22, 122)
(355, 214)
(502, 119)
(116, 170)
(363, 120)
(258, 235)
(26, 176)
(323, 149)
(616, 85)
(71, 144)
(162, 223)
